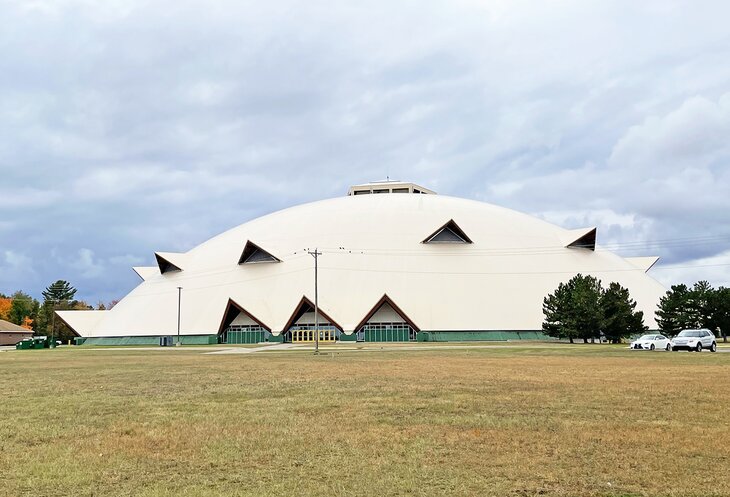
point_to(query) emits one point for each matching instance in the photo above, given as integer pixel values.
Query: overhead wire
(471, 252)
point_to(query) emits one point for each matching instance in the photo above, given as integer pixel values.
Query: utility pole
(179, 299)
(316, 254)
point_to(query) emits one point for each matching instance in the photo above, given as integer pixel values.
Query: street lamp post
(53, 325)
(179, 299)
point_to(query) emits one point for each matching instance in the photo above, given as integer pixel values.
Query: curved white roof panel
(372, 246)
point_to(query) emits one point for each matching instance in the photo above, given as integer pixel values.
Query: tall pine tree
(677, 311)
(621, 320)
(573, 310)
(57, 296)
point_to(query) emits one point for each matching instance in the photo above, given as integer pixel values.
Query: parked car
(694, 340)
(652, 342)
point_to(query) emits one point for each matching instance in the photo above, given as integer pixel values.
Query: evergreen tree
(60, 291)
(573, 310)
(699, 305)
(675, 311)
(719, 302)
(57, 296)
(586, 301)
(621, 320)
(555, 306)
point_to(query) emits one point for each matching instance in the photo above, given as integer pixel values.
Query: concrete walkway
(242, 350)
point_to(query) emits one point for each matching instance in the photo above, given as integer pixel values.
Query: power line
(462, 273)
(470, 252)
(467, 273)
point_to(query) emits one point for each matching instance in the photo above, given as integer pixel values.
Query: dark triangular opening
(448, 233)
(232, 311)
(587, 241)
(165, 265)
(305, 306)
(252, 254)
(383, 301)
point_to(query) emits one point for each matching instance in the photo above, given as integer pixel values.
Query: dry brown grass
(510, 422)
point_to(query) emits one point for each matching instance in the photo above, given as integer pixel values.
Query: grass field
(568, 420)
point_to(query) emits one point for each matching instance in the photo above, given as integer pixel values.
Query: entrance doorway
(307, 335)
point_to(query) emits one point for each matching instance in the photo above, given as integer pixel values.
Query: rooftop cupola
(388, 186)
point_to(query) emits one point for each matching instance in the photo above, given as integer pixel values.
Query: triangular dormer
(305, 306)
(386, 302)
(253, 254)
(233, 311)
(448, 233)
(168, 261)
(582, 238)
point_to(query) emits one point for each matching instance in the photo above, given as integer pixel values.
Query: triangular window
(386, 310)
(306, 307)
(164, 263)
(252, 254)
(448, 233)
(586, 241)
(233, 310)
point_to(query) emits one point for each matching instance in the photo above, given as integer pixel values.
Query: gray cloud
(128, 127)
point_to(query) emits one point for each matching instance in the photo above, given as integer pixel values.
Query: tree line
(583, 309)
(28, 312)
(699, 306)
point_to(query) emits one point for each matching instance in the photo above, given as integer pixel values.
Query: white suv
(694, 340)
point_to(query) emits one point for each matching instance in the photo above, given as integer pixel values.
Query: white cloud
(166, 122)
(17, 261)
(692, 136)
(15, 267)
(715, 269)
(126, 260)
(86, 264)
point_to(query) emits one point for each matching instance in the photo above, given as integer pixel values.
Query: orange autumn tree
(27, 323)
(5, 304)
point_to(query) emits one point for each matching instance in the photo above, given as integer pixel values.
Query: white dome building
(397, 263)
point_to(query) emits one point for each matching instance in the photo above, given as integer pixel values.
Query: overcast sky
(133, 126)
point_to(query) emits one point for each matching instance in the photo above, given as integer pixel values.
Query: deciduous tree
(23, 306)
(5, 304)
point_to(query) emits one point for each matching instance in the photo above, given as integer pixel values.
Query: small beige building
(11, 333)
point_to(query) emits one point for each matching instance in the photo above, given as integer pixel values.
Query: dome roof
(447, 263)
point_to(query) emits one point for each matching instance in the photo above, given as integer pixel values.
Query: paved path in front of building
(243, 350)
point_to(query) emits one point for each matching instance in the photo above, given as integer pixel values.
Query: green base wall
(245, 337)
(150, 341)
(422, 336)
(451, 336)
(476, 336)
(386, 335)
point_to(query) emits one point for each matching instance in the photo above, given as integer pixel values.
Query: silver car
(694, 340)
(651, 342)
